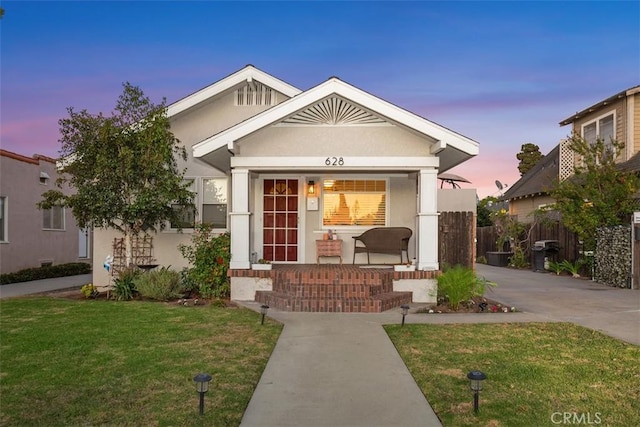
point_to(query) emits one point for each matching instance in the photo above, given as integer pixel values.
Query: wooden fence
(567, 241)
(456, 233)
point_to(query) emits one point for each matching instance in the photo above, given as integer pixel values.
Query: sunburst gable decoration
(333, 111)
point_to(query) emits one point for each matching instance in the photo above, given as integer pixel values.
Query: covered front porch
(352, 288)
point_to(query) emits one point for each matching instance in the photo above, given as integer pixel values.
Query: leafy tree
(483, 216)
(598, 194)
(529, 156)
(123, 168)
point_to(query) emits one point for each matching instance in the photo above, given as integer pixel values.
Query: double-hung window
(186, 215)
(354, 202)
(211, 204)
(53, 219)
(214, 202)
(602, 128)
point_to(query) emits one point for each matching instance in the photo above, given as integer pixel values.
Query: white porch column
(427, 220)
(239, 220)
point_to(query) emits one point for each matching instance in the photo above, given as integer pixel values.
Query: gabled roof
(598, 105)
(445, 139)
(248, 73)
(539, 179)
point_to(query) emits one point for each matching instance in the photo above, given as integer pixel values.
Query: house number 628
(334, 161)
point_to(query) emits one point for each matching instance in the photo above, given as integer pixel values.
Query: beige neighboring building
(617, 117)
(30, 237)
(279, 168)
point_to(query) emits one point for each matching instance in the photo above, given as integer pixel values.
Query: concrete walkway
(45, 285)
(334, 369)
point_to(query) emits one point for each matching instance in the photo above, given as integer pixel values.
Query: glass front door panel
(280, 220)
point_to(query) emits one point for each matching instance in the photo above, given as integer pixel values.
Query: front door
(280, 220)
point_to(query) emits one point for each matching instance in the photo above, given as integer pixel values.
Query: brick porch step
(331, 289)
(372, 304)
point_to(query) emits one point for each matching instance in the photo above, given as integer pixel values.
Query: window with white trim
(602, 128)
(186, 214)
(53, 219)
(354, 202)
(3, 219)
(214, 202)
(211, 204)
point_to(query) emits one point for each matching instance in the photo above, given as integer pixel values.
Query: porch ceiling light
(202, 386)
(475, 384)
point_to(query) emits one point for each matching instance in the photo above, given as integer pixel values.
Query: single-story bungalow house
(281, 168)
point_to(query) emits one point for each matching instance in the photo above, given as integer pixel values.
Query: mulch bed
(477, 305)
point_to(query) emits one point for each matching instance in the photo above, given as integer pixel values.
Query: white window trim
(198, 201)
(597, 121)
(5, 208)
(348, 228)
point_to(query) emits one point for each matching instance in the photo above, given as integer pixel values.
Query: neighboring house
(531, 191)
(279, 167)
(30, 237)
(617, 117)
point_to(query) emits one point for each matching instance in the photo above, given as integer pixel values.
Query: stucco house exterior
(279, 168)
(30, 237)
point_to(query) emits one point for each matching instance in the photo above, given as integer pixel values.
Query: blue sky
(501, 73)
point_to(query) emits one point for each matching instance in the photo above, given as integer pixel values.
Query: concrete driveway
(613, 311)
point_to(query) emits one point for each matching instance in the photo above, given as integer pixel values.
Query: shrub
(161, 285)
(89, 291)
(459, 284)
(209, 258)
(60, 270)
(123, 285)
(572, 268)
(556, 267)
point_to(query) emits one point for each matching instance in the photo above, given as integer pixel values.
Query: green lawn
(67, 362)
(535, 373)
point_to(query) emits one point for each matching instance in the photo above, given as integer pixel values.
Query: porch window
(354, 202)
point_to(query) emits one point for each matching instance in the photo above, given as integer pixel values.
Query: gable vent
(255, 93)
(333, 111)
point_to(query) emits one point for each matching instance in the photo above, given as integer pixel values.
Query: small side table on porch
(329, 248)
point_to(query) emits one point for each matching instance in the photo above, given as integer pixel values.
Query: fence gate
(456, 238)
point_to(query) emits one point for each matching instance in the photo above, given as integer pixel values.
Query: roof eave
(247, 73)
(340, 88)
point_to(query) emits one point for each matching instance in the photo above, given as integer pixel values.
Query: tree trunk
(128, 249)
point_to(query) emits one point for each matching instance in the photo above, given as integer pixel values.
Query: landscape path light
(405, 311)
(202, 386)
(475, 384)
(263, 311)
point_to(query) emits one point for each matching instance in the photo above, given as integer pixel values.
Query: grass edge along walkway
(90, 362)
(537, 373)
